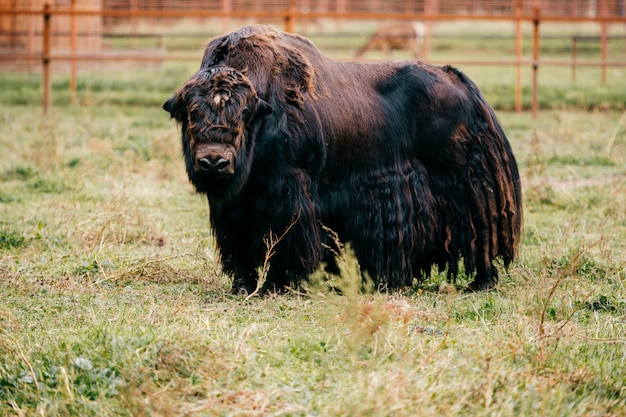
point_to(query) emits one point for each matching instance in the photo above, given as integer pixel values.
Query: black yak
(404, 160)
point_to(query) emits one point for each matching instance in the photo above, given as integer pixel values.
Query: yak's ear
(171, 106)
(264, 108)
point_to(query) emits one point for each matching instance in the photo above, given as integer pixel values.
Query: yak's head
(219, 111)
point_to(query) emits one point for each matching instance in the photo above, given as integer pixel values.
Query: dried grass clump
(165, 271)
(119, 221)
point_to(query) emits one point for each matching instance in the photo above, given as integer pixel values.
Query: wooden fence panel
(72, 31)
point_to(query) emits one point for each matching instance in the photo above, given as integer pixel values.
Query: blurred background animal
(407, 36)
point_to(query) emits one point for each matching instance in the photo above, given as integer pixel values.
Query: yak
(405, 161)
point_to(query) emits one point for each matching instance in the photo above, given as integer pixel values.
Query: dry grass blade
(270, 241)
(23, 357)
(562, 273)
(613, 137)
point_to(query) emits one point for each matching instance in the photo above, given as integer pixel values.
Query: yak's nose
(216, 164)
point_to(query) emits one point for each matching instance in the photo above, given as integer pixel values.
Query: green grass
(111, 301)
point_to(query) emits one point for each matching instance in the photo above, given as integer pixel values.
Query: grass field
(112, 304)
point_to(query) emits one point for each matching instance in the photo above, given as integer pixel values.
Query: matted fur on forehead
(218, 92)
(278, 64)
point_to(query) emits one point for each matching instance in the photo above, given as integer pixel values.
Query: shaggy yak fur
(404, 160)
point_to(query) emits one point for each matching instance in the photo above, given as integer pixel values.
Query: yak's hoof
(243, 290)
(482, 285)
(273, 289)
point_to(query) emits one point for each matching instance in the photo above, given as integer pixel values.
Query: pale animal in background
(396, 36)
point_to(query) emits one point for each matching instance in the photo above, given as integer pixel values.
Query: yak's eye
(245, 112)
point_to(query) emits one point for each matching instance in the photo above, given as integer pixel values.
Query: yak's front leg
(244, 282)
(293, 245)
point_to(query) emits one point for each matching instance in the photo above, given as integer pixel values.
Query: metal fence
(43, 36)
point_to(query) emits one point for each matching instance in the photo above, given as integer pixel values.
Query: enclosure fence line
(291, 14)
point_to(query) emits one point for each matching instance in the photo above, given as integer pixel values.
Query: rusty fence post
(290, 17)
(73, 48)
(604, 39)
(518, 56)
(574, 46)
(535, 103)
(46, 58)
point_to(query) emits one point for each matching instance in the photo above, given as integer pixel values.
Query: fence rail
(292, 14)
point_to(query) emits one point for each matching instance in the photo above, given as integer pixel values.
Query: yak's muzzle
(215, 160)
(214, 165)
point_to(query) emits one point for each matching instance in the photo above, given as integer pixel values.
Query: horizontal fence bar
(325, 35)
(286, 13)
(100, 57)
(193, 55)
(170, 57)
